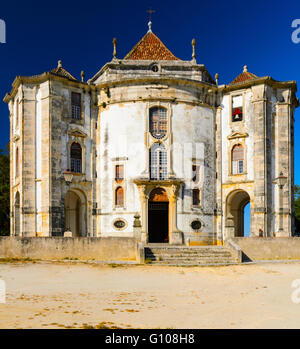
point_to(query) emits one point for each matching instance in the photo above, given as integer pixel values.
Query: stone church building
(151, 141)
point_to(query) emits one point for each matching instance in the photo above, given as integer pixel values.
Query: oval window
(119, 224)
(196, 225)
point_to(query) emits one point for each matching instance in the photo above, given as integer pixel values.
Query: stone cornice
(158, 183)
(263, 80)
(161, 99)
(157, 79)
(38, 79)
(119, 64)
(237, 135)
(76, 133)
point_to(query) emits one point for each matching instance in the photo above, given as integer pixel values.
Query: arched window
(119, 196)
(158, 122)
(76, 158)
(237, 159)
(17, 214)
(17, 162)
(158, 162)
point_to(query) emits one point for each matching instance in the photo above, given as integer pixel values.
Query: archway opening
(158, 216)
(17, 214)
(73, 213)
(247, 219)
(238, 213)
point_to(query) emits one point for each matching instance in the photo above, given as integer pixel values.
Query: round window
(196, 225)
(155, 68)
(119, 224)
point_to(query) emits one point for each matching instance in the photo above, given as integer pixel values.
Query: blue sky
(229, 34)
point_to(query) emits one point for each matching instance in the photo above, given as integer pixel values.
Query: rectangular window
(237, 167)
(119, 173)
(196, 197)
(76, 106)
(241, 166)
(76, 165)
(196, 174)
(237, 108)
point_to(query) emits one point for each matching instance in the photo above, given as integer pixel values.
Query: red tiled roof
(150, 47)
(245, 76)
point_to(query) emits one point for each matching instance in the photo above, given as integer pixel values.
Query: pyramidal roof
(150, 47)
(60, 71)
(245, 76)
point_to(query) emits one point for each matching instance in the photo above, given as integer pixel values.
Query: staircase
(163, 254)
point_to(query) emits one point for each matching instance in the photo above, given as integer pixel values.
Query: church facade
(155, 143)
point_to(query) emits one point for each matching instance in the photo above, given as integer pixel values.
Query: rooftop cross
(150, 11)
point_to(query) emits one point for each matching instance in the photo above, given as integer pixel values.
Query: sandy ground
(66, 295)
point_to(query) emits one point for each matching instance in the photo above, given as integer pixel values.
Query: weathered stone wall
(114, 129)
(282, 248)
(266, 134)
(107, 249)
(125, 139)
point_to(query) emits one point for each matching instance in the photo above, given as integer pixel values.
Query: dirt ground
(68, 295)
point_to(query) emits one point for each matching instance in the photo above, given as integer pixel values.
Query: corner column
(176, 236)
(144, 207)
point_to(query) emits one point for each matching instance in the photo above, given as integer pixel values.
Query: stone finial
(115, 48)
(137, 223)
(194, 53)
(245, 69)
(59, 64)
(217, 78)
(150, 27)
(82, 75)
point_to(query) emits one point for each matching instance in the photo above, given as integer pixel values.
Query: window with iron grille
(119, 173)
(119, 196)
(76, 158)
(158, 162)
(237, 159)
(158, 122)
(196, 197)
(76, 106)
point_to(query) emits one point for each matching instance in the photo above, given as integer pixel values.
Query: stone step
(182, 255)
(203, 263)
(190, 259)
(155, 257)
(159, 258)
(186, 250)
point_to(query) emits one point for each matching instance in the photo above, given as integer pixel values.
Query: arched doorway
(75, 213)
(236, 214)
(17, 214)
(158, 216)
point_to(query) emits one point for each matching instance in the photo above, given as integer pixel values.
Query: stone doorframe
(171, 186)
